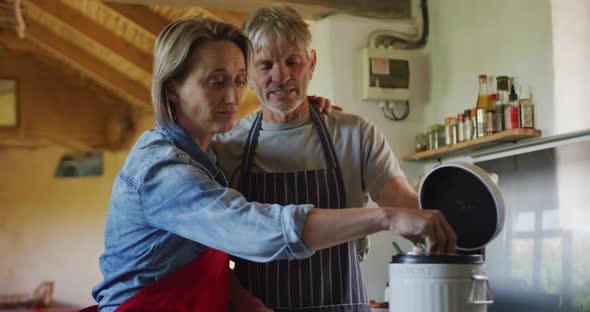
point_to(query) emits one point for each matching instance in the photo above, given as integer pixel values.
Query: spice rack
(511, 135)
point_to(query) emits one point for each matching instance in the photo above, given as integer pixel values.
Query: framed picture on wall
(8, 102)
(79, 164)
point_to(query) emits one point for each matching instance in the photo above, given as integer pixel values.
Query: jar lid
(438, 127)
(437, 258)
(469, 199)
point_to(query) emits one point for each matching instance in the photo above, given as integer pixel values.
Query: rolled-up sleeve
(182, 199)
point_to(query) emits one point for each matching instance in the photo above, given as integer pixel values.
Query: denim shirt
(170, 203)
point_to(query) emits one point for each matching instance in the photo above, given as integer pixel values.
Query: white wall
(571, 49)
(507, 37)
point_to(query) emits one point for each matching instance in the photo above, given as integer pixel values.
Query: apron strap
(329, 149)
(250, 150)
(326, 141)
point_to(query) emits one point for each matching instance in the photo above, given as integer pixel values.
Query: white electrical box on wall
(385, 74)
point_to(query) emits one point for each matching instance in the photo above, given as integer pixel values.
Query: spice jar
(527, 110)
(448, 133)
(503, 98)
(460, 127)
(500, 121)
(431, 135)
(420, 142)
(511, 112)
(467, 125)
(511, 116)
(436, 136)
(474, 123)
(490, 121)
(481, 122)
(454, 135)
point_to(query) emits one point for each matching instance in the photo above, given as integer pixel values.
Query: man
(288, 153)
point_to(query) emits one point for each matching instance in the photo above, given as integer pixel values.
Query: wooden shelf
(502, 137)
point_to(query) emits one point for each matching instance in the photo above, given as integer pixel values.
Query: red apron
(202, 285)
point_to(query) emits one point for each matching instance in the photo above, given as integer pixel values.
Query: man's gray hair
(276, 24)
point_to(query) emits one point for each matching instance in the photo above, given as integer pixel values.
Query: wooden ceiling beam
(140, 15)
(9, 40)
(232, 17)
(113, 78)
(96, 32)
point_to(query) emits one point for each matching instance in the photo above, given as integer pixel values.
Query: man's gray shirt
(363, 152)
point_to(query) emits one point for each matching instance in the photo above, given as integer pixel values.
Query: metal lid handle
(478, 279)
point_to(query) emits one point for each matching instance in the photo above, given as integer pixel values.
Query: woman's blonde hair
(173, 55)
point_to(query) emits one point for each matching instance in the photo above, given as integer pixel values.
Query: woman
(171, 217)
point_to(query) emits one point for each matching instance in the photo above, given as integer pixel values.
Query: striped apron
(331, 279)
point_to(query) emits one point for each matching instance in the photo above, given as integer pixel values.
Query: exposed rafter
(102, 46)
(70, 53)
(11, 16)
(9, 40)
(174, 13)
(233, 17)
(115, 23)
(141, 15)
(97, 32)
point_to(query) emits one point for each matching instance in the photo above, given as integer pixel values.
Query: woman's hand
(429, 226)
(322, 104)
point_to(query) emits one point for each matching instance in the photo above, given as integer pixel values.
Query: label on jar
(490, 121)
(448, 135)
(526, 114)
(481, 122)
(512, 118)
(461, 131)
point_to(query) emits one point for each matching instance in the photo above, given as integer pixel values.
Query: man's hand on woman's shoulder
(323, 105)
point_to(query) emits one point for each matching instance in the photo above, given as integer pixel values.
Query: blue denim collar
(183, 141)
